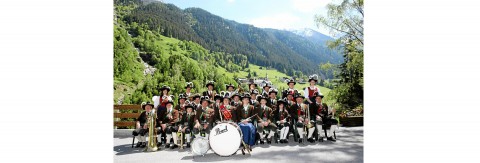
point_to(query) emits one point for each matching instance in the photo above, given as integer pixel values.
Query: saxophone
(152, 140)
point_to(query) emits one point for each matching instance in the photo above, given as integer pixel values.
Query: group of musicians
(259, 116)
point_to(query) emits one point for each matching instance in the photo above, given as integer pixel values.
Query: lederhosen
(143, 120)
(282, 115)
(188, 121)
(170, 123)
(263, 116)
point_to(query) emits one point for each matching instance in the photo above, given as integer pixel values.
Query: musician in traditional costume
(300, 114)
(291, 88)
(210, 92)
(141, 127)
(181, 104)
(310, 91)
(244, 120)
(272, 99)
(331, 124)
(168, 120)
(230, 90)
(282, 118)
(204, 117)
(196, 101)
(188, 91)
(187, 123)
(236, 100)
(265, 121)
(226, 111)
(252, 86)
(318, 112)
(266, 90)
(254, 101)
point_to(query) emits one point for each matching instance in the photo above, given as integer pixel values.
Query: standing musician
(265, 117)
(272, 99)
(204, 117)
(230, 90)
(318, 113)
(244, 112)
(266, 90)
(236, 100)
(254, 99)
(188, 92)
(310, 91)
(283, 120)
(290, 103)
(218, 101)
(210, 92)
(291, 90)
(160, 101)
(252, 86)
(226, 111)
(141, 127)
(168, 120)
(196, 101)
(188, 121)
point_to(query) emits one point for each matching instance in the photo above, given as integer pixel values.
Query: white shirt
(155, 100)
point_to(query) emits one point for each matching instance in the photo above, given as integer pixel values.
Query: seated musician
(181, 104)
(226, 111)
(168, 120)
(283, 120)
(331, 124)
(204, 117)
(141, 127)
(236, 100)
(244, 120)
(265, 116)
(161, 101)
(302, 120)
(317, 113)
(187, 123)
(196, 102)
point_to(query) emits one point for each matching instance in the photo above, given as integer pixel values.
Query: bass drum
(225, 138)
(200, 146)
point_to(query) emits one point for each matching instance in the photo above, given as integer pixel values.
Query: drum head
(200, 146)
(225, 139)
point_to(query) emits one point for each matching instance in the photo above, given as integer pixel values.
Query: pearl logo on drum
(218, 131)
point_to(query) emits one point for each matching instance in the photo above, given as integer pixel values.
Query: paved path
(348, 148)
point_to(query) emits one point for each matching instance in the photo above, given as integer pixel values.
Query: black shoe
(167, 145)
(188, 145)
(261, 142)
(285, 141)
(300, 140)
(320, 139)
(331, 139)
(269, 142)
(159, 144)
(138, 145)
(311, 140)
(144, 144)
(173, 146)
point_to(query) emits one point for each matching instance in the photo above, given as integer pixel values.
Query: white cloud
(277, 21)
(308, 6)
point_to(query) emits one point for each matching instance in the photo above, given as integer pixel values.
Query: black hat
(317, 94)
(210, 83)
(298, 95)
(235, 94)
(165, 87)
(145, 104)
(267, 85)
(253, 83)
(246, 95)
(196, 96)
(254, 92)
(189, 84)
(169, 101)
(189, 106)
(217, 97)
(313, 77)
(181, 96)
(282, 101)
(205, 98)
(291, 81)
(273, 91)
(229, 85)
(261, 97)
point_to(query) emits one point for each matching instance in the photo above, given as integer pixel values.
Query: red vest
(311, 91)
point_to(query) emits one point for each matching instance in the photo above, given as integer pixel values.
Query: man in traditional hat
(252, 86)
(188, 122)
(244, 120)
(236, 100)
(254, 99)
(188, 92)
(317, 113)
(196, 101)
(168, 120)
(230, 90)
(283, 120)
(181, 104)
(299, 114)
(141, 127)
(161, 100)
(210, 92)
(266, 90)
(272, 99)
(204, 118)
(264, 121)
(226, 111)
(310, 91)
(291, 88)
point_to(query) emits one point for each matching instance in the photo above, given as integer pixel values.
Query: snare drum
(225, 138)
(200, 146)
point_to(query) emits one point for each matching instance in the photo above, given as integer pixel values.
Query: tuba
(152, 140)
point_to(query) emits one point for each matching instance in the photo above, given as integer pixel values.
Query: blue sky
(278, 14)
